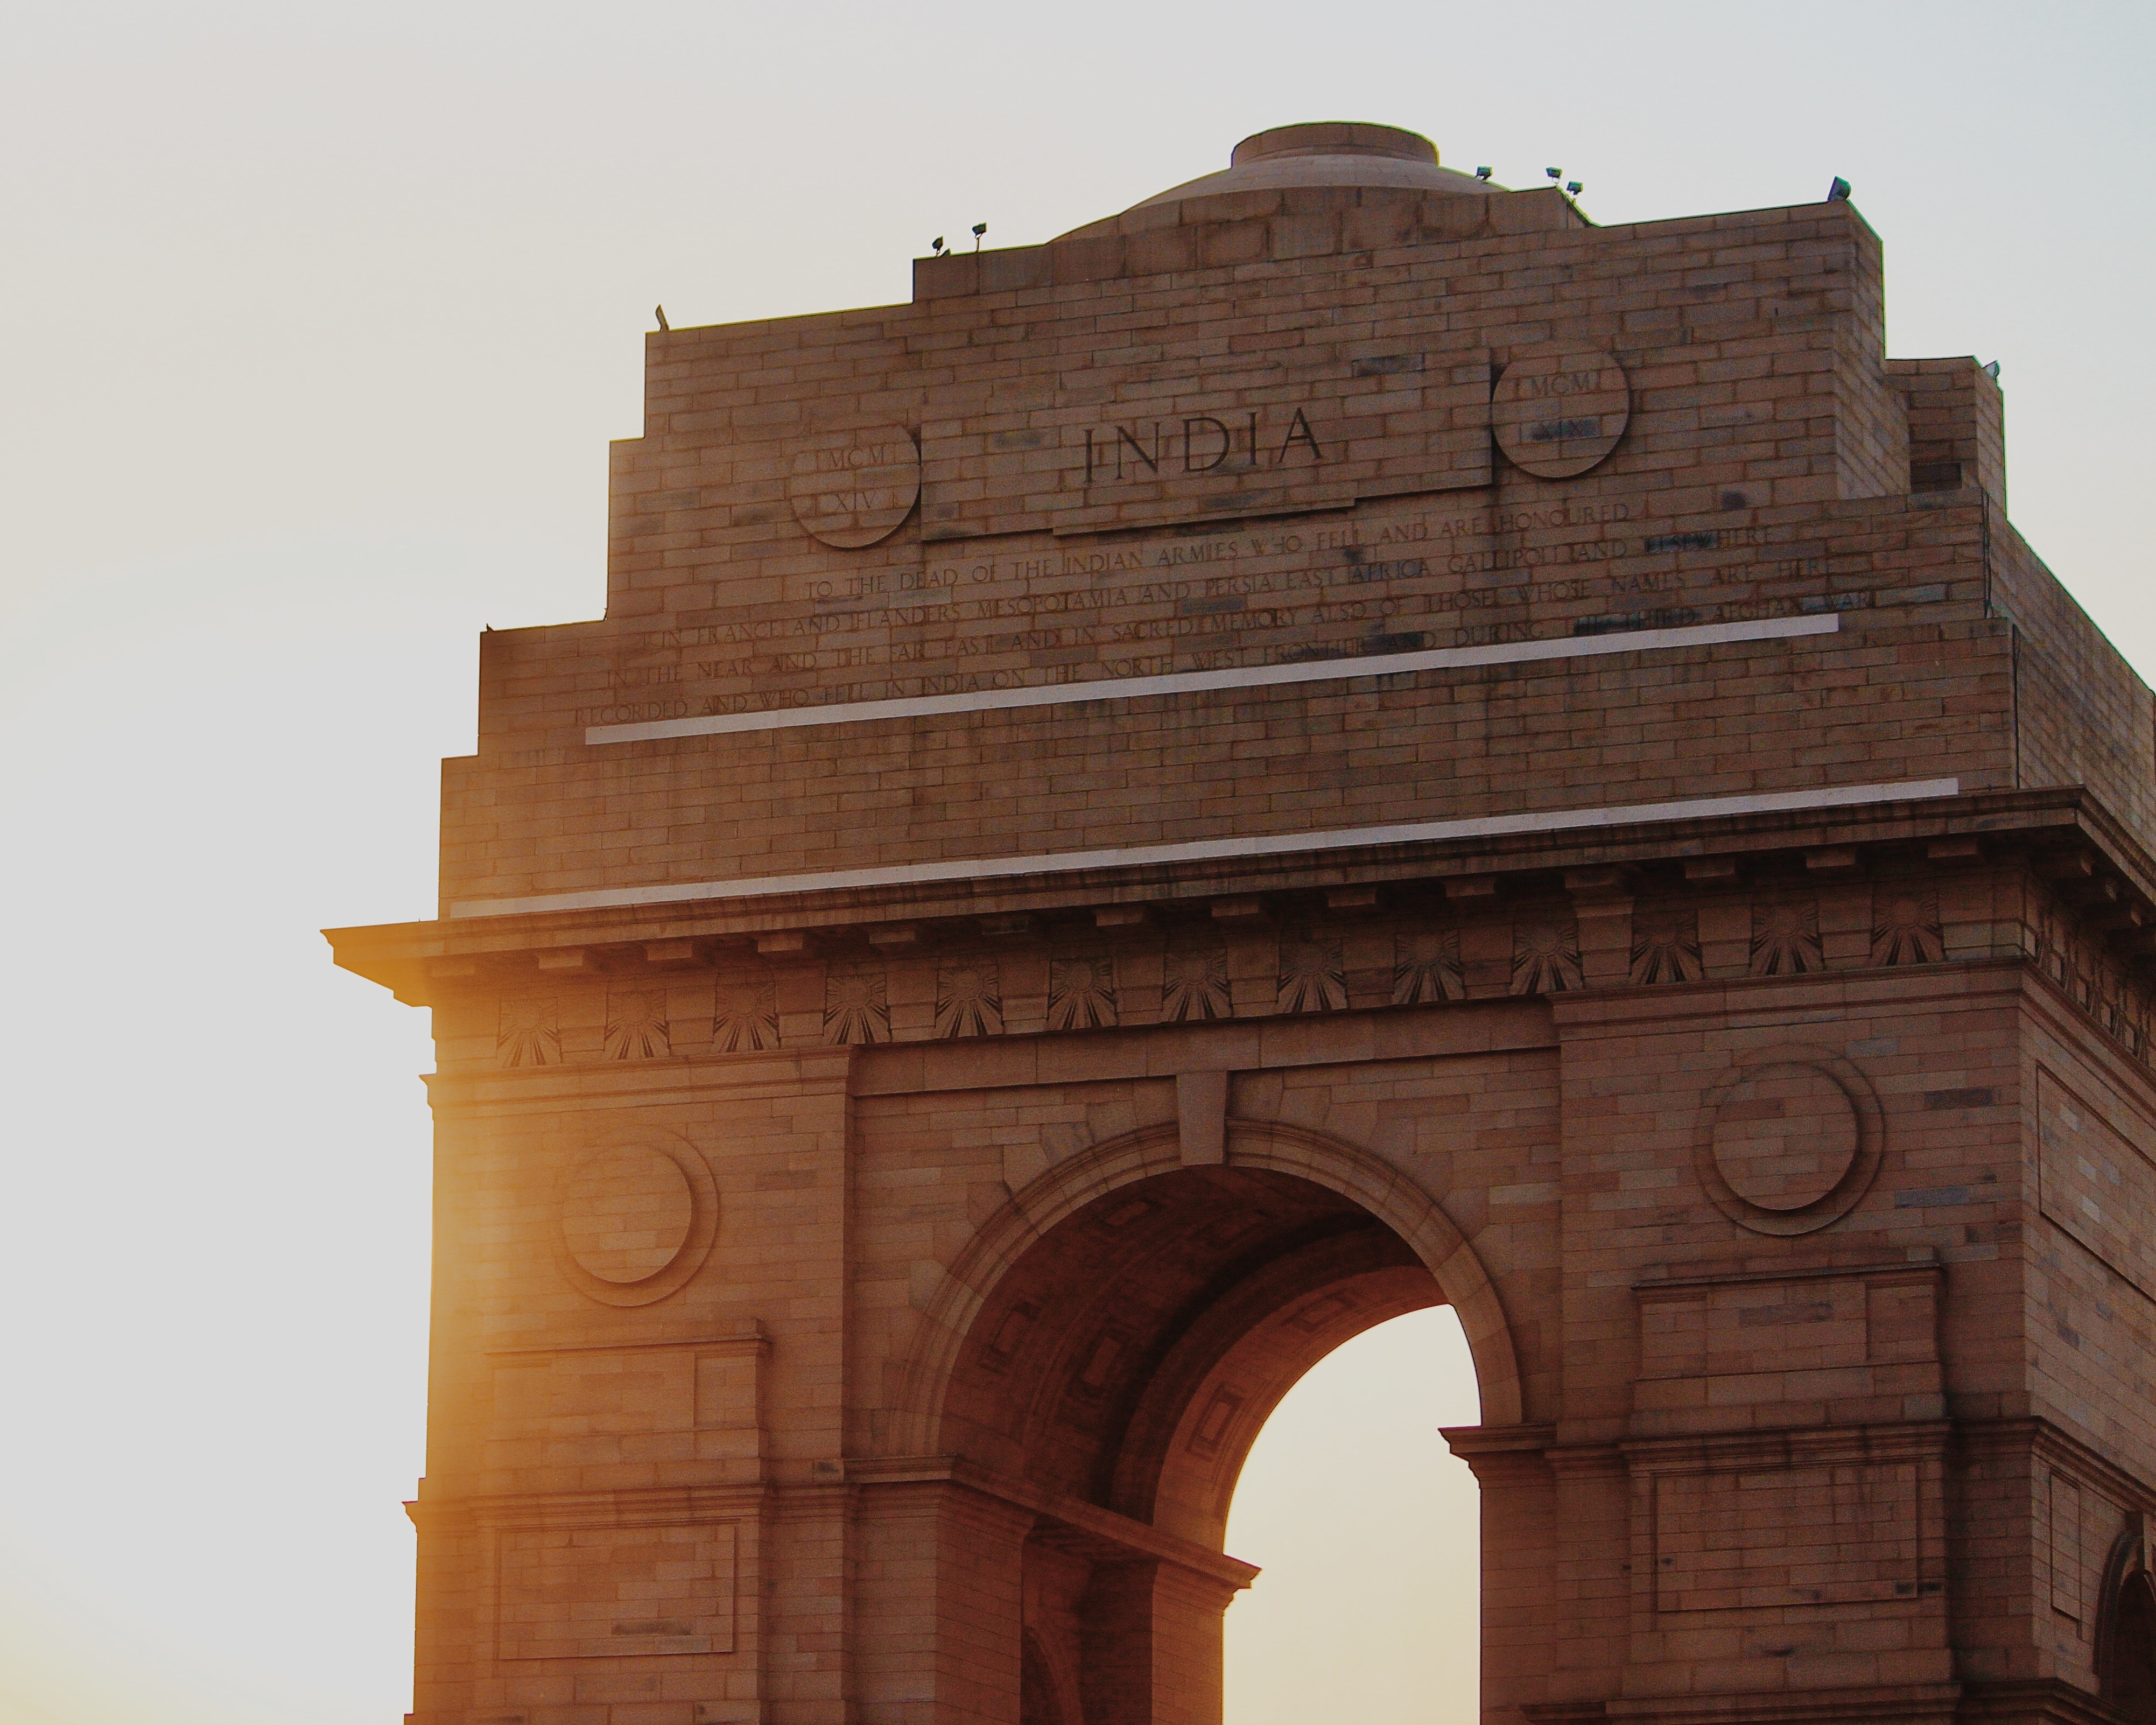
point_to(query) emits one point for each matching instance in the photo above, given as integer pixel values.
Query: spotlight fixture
(979, 228)
(935, 246)
(1991, 371)
(1572, 186)
(1555, 173)
(1484, 173)
(659, 312)
(1838, 190)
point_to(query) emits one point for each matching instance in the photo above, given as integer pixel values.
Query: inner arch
(1122, 1358)
(1128, 1357)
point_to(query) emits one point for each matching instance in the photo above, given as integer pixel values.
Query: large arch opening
(1113, 1355)
(1367, 1531)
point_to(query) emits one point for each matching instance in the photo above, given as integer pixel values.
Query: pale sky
(314, 321)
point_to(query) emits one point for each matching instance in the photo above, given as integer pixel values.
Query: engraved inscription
(850, 489)
(1200, 443)
(1053, 615)
(1557, 414)
(1227, 435)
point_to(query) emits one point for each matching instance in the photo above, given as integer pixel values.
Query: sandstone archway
(1106, 1350)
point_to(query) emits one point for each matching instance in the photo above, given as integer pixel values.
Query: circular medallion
(626, 1213)
(635, 1220)
(1557, 414)
(1785, 1137)
(852, 488)
(1789, 1141)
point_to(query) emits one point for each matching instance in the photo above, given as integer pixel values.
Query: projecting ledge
(1117, 1535)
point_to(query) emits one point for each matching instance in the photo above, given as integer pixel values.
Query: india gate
(1343, 740)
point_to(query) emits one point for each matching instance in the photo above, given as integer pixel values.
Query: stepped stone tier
(1343, 740)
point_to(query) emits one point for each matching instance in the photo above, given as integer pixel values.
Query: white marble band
(1055, 862)
(1258, 676)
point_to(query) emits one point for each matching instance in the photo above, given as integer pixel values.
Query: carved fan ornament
(1311, 977)
(745, 1016)
(1427, 968)
(636, 1026)
(1081, 992)
(1785, 937)
(1195, 984)
(856, 1008)
(530, 1033)
(1545, 955)
(1666, 947)
(1905, 925)
(969, 999)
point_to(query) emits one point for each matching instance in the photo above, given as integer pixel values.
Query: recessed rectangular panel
(588, 1393)
(1787, 1536)
(601, 1593)
(2065, 1546)
(2096, 1183)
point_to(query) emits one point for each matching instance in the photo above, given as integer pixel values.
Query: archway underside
(1127, 1359)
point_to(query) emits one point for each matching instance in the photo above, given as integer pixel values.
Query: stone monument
(1342, 740)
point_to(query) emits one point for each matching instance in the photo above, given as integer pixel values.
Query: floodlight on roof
(1838, 190)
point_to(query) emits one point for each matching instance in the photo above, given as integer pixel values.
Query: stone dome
(1328, 153)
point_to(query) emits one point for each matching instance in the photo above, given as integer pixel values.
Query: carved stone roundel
(636, 1220)
(627, 1212)
(852, 488)
(1557, 414)
(1790, 1141)
(1785, 1137)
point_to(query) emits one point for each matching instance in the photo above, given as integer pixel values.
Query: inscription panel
(2096, 1183)
(1399, 579)
(1238, 437)
(1557, 414)
(852, 488)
